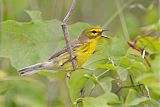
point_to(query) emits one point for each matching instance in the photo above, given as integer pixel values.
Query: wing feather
(74, 44)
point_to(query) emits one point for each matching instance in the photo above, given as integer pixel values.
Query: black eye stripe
(94, 31)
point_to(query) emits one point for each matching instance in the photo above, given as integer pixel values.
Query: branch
(131, 86)
(65, 20)
(66, 34)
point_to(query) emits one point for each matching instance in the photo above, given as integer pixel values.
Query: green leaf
(150, 43)
(116, 47)
(93, 77)
(94, 102)
(107, 66)
(134, 63)
(156, 64)
(125, 62)
(35, 15)
(99, 57)
(106, 83)
(153, 102)
(110, 98)
(53, 75)
(76, 83)
(151, 80)
(133, 98)
(29, 43)
(123, 73)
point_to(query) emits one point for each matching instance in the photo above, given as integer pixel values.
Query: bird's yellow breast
(82, 53)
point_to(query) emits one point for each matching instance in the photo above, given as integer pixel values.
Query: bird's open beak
(104, 36)
(104, 30)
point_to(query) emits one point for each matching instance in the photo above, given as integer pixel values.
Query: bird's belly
(82, 57)
(84, 53)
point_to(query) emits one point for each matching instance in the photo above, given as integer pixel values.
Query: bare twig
(66, 34)
(131, 79)
(131, 86)
(65, 20)
(67, 39)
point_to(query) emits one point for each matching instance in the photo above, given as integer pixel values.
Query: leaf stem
(103, 73)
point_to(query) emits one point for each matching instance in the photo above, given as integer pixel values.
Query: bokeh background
(135, 13)
(124, 18)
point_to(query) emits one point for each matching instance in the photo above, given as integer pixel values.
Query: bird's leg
(70, 72)
(68, 75)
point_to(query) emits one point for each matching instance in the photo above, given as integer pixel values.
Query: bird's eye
(94, 31)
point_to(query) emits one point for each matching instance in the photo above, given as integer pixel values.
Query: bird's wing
(74, 45)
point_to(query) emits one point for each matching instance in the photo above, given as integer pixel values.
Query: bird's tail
(35, 68)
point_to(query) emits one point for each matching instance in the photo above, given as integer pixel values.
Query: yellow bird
(83, 48)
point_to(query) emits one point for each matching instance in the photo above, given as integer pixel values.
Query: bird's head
(94, 32)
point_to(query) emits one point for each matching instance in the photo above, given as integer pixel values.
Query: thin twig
(131, 79)
(65, 20)
(66, 34)
(131, 86)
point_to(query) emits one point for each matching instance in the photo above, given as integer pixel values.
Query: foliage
(114, 65)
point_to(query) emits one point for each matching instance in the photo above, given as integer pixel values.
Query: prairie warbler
(83, 48)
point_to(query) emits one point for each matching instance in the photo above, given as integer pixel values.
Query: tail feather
(34, 68)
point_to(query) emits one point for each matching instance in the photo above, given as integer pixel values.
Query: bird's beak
(104, 30)
(104, 36)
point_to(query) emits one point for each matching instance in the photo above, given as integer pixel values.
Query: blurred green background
(136, 13)
(124, 18)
